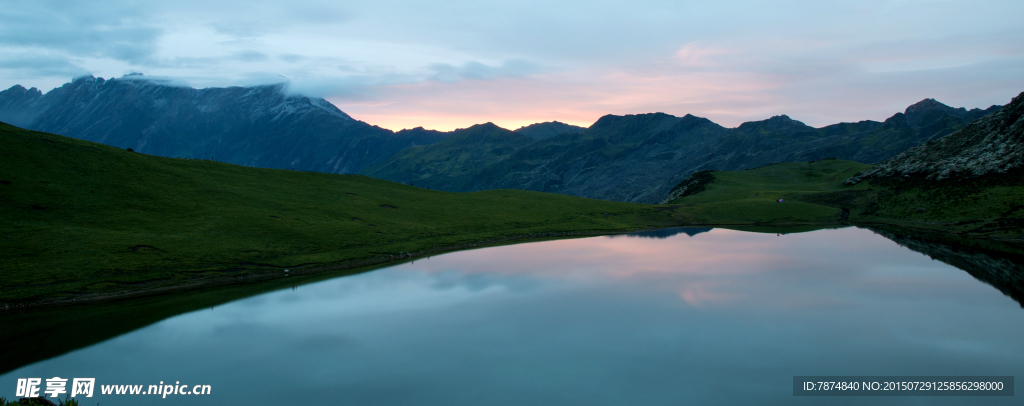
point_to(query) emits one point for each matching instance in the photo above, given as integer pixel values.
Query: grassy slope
(751, 196)
(82, 220)
(989, 207)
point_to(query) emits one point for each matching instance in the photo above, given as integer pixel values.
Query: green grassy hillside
(990, 206)
(751, 196)
(81, 220)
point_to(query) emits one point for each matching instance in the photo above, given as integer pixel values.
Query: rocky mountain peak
(20, 92)
(85, 81)
(84, 78)
(925, 105)
(992, 144)
(488, 126)
(263, 126)
(782, 121)
(542, 131)
(776, 123)
(423, 132)
(917, 111)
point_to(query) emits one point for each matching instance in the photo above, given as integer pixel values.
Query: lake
(682, 316)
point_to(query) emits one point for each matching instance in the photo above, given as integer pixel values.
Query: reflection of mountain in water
(668, 232)
(1003, 270)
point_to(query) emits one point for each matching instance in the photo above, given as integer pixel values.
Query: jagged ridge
(993, 144)
(635, 158)
(259, 126)
(639, 158)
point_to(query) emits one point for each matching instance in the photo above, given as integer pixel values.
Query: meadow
(82, 221)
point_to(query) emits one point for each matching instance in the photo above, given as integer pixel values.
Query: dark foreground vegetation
(970, 183)
(989, 207)
(87, 223)
(38, 401)
(82, 221)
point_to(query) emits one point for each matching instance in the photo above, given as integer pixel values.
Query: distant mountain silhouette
(636, 158)
(255, 126)
(543, 131)
(456, 157)
(639, 158)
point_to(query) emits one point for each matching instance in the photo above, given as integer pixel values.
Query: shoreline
(295, 270)
(257, 273)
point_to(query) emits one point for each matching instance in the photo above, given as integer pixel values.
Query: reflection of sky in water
(722, 317)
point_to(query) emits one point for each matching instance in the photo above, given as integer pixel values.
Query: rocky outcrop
(991, 145)
(696, 183)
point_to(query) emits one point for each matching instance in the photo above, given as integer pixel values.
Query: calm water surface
(719, 317)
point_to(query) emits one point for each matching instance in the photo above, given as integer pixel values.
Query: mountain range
(992, 145)
(639, 158)
(636, 158)
(259, 126)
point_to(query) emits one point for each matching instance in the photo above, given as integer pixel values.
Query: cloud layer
(403, 64)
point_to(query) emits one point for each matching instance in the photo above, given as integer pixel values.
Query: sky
(451, 64)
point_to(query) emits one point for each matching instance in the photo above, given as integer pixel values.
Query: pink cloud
(815, 80)
(578, 97)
